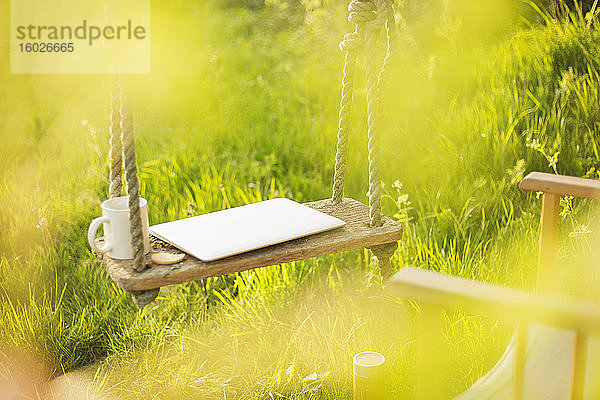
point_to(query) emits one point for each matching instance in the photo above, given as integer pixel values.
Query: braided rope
(360, 14)
(375, 101)
(116, 143)
(372, 123)
(368, 17)
(135, 218)
(384, 254)
(343, 127)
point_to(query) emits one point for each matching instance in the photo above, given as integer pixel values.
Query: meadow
(241, 106)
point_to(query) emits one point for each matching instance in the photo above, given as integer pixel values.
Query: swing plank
(356, 234)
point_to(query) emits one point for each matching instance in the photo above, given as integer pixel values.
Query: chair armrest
(562, 185)
(496, 301)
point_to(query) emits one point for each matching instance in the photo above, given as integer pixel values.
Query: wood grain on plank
(562, 185)
(356, 234)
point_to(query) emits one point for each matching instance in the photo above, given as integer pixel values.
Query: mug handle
(93, 229)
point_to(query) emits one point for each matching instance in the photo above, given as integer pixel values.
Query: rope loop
(369, 16)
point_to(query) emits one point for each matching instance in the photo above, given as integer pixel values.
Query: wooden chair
(553, 354)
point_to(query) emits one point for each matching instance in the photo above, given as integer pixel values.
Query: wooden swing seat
(356, 234)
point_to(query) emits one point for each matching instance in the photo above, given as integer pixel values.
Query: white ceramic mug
(117, 238)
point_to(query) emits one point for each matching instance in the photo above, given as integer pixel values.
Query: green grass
(242, 106)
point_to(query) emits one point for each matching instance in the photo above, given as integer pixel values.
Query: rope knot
(362, 12)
